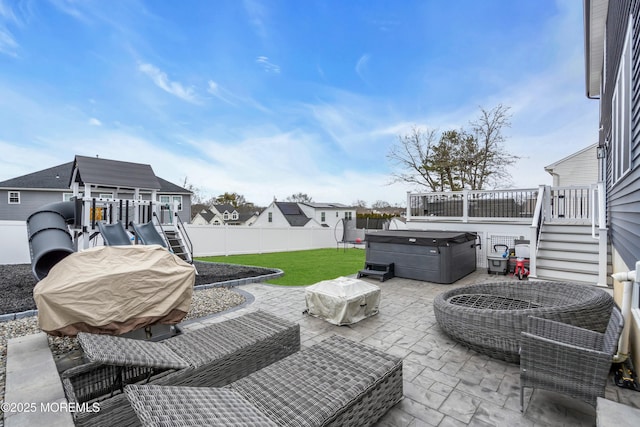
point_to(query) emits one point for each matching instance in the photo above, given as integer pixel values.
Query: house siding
(30, 201)
(623, 197)
(578, 169)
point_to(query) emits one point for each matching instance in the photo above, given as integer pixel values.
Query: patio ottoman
(342, 301)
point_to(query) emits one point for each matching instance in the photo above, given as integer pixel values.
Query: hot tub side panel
(438, 264)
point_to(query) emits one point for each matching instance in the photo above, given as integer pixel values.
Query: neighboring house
(223, 214)
(21, 196)
(328, 214)
(612, 30)
(204, 217)
(285, 214)
(580, 168)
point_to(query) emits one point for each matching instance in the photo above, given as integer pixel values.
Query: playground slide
(148, 234)
(114, 234)
(49, 237)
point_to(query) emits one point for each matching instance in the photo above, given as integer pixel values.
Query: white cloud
(361, 65)
(268, 66)
(161, 80)
(95, 122)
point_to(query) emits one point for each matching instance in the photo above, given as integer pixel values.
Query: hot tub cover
(421, 237)
(114, 290)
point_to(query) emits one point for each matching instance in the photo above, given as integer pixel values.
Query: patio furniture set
(245, 369)
(564, 335)
(249, 369)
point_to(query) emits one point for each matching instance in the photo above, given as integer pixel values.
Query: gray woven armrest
(193, 406)
(120, 351)
(562, 332)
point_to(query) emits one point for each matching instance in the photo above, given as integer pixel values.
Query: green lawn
(302, 267)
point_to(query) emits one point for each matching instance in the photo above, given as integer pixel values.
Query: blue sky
(271, 98)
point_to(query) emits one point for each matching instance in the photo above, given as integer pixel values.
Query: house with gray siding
(23, 195)
(612, 37)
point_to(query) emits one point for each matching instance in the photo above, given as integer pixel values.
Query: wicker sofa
(336, 382)
(212, 356)
(489, 317)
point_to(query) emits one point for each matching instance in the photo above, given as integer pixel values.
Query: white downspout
(627, 280)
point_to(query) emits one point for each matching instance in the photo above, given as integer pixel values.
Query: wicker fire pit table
(489, 317)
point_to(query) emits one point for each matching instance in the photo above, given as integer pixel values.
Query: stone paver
(445, 384)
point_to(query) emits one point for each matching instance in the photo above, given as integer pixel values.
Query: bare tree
(300, 198)
(410, 155)
(457, 159)
(489, 165)
(196, 196)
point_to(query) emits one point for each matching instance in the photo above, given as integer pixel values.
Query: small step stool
(383, 271)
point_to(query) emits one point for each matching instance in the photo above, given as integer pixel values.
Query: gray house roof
(293, 213)
(113, 173)
(58, 178)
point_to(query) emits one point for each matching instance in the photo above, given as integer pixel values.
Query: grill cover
(114, 290)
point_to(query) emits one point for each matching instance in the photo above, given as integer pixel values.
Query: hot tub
(430, 256)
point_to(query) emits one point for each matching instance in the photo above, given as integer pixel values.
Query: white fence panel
(231, 240)
(14, 248)
(207, 240)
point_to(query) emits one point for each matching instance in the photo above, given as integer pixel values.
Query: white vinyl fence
(207, 240)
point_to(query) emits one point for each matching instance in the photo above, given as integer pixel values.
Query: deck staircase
(177, 243)
(568, 252)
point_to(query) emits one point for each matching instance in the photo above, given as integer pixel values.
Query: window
(323, 217)
(234, 215)
(225, 215)
(14, 197)
(348, 215)
(168, 201)
(177, 199)
(621, 114)
(106, 195)
(270, 216)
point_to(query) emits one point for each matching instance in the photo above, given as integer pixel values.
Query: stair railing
(183, 233)
(536, 228)
(599, 218)
(162, 232)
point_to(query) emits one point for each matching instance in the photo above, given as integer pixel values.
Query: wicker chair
(337, 382)
(566, 359)
(212, 356)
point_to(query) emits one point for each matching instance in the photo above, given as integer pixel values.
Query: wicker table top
(491, 302)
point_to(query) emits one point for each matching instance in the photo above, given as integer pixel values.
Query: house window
(106, 195)
(270, 216)
(14, 197)
(225, 216)
(168, 201)
(621, 114)
(323, 217)
(234, 215)
(347, 215)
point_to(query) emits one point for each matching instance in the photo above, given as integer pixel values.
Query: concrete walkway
(445, 384)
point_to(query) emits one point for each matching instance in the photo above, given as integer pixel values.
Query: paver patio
(445, 384)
